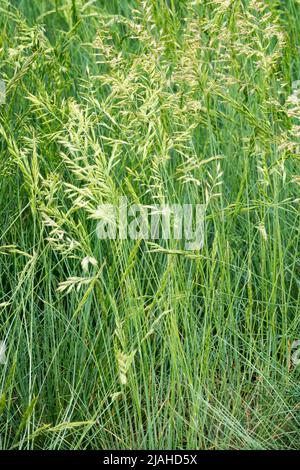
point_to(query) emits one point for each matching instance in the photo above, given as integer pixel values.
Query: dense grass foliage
(149, 345)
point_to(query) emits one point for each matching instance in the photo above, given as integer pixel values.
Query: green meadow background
(139, 344)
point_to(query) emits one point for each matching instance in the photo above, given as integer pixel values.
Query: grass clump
(128, 344)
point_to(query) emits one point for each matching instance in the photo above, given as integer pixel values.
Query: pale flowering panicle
(88, 260)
